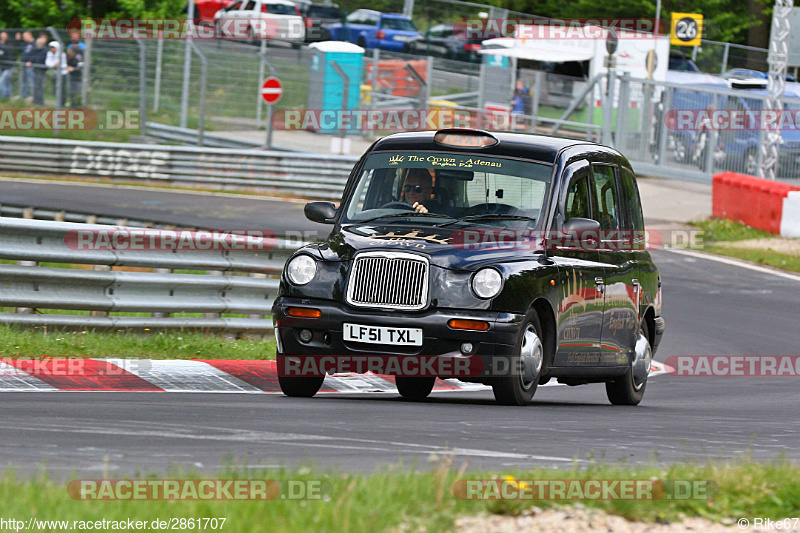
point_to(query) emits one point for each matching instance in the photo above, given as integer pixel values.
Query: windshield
(397, 24)
(324, 12)
(280, 9)
(469, 188)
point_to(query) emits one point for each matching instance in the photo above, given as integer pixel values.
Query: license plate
(401, 38)
(383, 335)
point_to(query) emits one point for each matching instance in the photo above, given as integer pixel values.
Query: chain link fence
(225, 76)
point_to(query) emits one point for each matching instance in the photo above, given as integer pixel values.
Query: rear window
(278, 9)
(398, 24)
(325, 12)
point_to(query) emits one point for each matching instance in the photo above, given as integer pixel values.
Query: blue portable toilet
(326, 87)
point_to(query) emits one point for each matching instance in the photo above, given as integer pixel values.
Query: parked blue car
(737, 148)
(373, 29)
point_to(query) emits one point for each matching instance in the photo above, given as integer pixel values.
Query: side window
(490, 188)
(607, 202)
(251, 5)
(578, 200)
(235, 6)
(354, 17)
(631, 201)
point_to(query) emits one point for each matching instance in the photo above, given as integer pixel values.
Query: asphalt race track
(181, 208)
(711, 308)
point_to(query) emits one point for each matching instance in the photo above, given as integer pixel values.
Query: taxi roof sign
(465, 138)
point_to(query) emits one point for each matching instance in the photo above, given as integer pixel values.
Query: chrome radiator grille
(395, 280)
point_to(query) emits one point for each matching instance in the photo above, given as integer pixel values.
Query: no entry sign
(271, 90)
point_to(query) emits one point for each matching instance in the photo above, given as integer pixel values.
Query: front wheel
(303, 387)
(414, 388)
(628, 389)
(527, 362)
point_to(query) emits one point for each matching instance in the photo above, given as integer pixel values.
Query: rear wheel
(526, 366)
(629, 388)
(414, 388)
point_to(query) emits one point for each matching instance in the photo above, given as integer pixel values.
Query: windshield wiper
(403, 215)
(487, 216)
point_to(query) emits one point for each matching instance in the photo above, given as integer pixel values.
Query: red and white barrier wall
(767, 205)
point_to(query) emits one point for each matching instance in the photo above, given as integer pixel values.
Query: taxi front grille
(394, 280)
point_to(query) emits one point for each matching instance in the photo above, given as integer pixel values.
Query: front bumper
(490, 346)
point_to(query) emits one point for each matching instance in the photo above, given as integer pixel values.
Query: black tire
(519, 387)
(414, 388)
(362, 43)
(304, 387)
(623, 390)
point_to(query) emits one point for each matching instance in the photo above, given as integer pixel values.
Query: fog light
(466, 348)
(305, 335)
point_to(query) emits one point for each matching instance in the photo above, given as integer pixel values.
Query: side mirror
(322, 212)
(586, 229)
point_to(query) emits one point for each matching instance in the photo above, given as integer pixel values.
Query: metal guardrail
(36, 213)
(306, 175)
(235, 281)
(190, 136)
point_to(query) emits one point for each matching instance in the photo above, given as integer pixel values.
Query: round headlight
(301, 269)
(487, 282)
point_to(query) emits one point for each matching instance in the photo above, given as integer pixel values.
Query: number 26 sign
(687, 29)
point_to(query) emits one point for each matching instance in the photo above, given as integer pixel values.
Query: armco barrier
(235, 281)
(763, 204)
(305, 175)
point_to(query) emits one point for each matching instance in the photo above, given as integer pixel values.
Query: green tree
(724, 20)
(57, 13)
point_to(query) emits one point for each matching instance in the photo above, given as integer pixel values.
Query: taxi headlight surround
(301, 269)
(487, 282)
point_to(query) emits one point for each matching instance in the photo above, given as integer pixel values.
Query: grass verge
(16, 342)
(403, 499)
(719, 236)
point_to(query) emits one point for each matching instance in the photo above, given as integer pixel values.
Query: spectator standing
(56, 59)
(7, 58)
(521, 103)
(75, 69)
(27, 70)
(75, 41)
(37, 61)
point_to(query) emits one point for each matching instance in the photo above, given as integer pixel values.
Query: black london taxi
(525, 253)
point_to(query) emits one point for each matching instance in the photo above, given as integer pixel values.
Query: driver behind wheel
(417, 189)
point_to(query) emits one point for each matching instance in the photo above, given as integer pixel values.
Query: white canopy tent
(551, 50)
